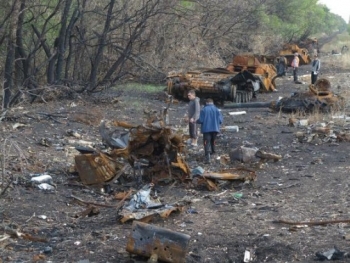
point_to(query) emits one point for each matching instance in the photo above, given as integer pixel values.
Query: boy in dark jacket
(211, 119)
(193, 114)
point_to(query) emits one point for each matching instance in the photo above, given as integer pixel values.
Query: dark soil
(310, 183)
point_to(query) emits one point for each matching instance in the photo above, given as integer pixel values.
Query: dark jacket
(211, 118)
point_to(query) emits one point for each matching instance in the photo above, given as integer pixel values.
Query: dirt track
(310, 183)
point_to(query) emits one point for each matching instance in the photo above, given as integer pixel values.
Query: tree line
(87, 44)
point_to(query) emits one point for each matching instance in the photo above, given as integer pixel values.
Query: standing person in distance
(295, 66)
(315, 68)
(193, 115)
(211, 119)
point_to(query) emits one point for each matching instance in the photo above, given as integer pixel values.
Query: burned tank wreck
(289, 50)
(319, 98)
(239, 82)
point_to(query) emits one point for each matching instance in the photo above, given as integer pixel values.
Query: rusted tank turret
(318, 98)
(238, 82)
(266, 71)
(289, 50)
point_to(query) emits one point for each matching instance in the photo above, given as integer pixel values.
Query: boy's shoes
(194, 145)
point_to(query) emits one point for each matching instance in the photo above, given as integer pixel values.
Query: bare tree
(92, 43)
(10, 53)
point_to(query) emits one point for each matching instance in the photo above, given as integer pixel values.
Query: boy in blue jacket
(211, 119)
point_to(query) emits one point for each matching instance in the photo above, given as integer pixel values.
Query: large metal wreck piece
(148, 240)
(152, 145)
(318, 98)
(238, 82)
(96, 168)
(289, 50)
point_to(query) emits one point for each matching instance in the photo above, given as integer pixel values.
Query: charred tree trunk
(61, 42)
(21, 68)
(69, 43)
(80, 43)
(101, 46)
(10, 55)
(8, 72)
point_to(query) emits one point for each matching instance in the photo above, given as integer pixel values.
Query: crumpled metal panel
(147, 240)
(154, 141)
(96, 168)
(182, 165)
(232, 174)
(146, 215)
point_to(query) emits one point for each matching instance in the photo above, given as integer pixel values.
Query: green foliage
(187, 4)
(298, 19)
(139, 87)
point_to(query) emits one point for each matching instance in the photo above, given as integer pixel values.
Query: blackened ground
(311, 182)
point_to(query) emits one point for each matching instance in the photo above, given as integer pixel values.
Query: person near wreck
(193, 115)
(281, 66)
(315, 68)
(295, 66)
(210, 119)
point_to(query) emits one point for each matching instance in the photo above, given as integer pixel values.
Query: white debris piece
(233, 128)
(44, 178)
(341, 117)
(247, 256)
(303, 122)
(237, 113)
(46, 187)
(142, 199)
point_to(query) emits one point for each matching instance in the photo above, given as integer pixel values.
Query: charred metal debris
(319, 98)
(154, 151)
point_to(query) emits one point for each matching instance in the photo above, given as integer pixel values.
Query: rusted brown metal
(146, 215)
(154, 142)
(265, 71)
(147, 240)
(96, 168)
(232, 174)
(289, 50)
(238, 82)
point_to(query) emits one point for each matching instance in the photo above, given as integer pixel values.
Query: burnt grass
(310, 183)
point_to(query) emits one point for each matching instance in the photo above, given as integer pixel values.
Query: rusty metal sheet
(153, 141)
(182, 165)
(147, 240)
(96, 168)
(148, 214)
(232, 174)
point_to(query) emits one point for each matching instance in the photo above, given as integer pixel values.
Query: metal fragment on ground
(232, 174)
(142, 207)
(147, 240)
(96, 168)
(142, 199)
(243, 154)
